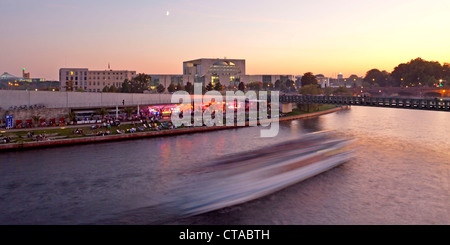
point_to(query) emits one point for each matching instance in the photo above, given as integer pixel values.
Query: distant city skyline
(274, 37)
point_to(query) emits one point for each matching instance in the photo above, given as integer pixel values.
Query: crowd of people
(142, 122)
(6, 139)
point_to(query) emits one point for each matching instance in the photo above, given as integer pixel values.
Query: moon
(167, 13)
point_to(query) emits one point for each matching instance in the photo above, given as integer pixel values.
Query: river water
(400, 175)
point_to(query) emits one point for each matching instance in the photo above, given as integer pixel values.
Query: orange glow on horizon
(287, 37)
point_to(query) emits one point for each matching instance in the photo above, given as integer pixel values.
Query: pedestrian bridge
(436, 104)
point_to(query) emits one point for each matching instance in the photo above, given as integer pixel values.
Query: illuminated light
(63, 128)
(35, 90)
(2, 132)
(71, 73)
(53, 90)
(379, 91)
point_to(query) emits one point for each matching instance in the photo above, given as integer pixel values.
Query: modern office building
(323, 81)
(165, 79)
(270, 78)
(226, 71)
(92, 81)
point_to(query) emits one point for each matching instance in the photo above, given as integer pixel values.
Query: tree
(218, 86)
(284, 88)
(309, 79)
(255, 86)
(209, 87)
(328, 91)
(171, 88)
(102, 112)
(311, 89)
(342, 90)
(69, 85)
(290, 85)
(278, 84)
(160, 88)
(267, 85)
(353, 79)
(137, 84)
(418, 72)
(36, 119)
(129, 111)
(189, 87)
(376, 77)
(112, 89)
(105, 89)
(71, 116)
(180, 87)
(126, 86)
(241, 86)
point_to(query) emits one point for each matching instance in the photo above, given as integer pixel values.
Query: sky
(274, 37)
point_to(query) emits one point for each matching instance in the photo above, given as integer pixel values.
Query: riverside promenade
(138, 135)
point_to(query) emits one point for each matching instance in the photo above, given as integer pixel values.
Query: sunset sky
(274, 37)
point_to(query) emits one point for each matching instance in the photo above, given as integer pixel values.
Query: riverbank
(126, 136)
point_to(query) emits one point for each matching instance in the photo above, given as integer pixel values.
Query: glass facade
(224, 68)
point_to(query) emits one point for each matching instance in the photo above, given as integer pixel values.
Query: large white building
(92, 81)
(226, 71)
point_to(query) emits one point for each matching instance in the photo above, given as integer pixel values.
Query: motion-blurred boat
(243, 177)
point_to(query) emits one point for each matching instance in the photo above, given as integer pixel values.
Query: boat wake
(246, 176)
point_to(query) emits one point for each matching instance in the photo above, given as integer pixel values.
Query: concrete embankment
(127, 136)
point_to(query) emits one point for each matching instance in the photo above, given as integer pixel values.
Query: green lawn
(67, 132)
(297, 112)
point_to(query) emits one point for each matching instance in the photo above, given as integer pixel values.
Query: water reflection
(400, 175)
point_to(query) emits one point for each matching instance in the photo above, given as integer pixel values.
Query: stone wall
(17, 98)
(44, 113)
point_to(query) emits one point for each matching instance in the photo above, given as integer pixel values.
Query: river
(400, 175)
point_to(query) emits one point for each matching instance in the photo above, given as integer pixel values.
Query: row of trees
(417, 72)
